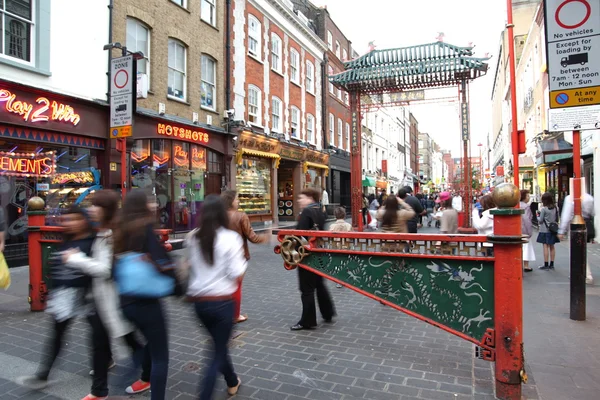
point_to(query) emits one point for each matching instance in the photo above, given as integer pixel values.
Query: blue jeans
(217, 317)
(147, 316)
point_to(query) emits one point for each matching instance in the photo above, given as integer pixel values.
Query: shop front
(554, 161)
(339, 179)
(51, 146)
(290, 180)
(256, 161)
(178, 164)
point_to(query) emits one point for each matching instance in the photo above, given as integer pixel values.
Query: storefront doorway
(287, 190)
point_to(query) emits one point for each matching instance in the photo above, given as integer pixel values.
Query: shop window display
(254, 185)
(313, 179)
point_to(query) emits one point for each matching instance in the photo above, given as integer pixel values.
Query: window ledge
(177, 99)
(209, 24)
(256, 125)
(297, 84)
(24, 67)
(255, 58)
(278, 72)
(183, 8)
(296, 138)
(311, 93)
(212, 110)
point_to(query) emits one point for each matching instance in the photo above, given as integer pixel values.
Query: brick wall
(165, 20)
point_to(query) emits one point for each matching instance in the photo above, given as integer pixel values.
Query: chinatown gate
(450, 281)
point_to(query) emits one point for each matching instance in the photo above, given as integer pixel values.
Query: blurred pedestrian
(312, 218)
(135, 234)
(340, 225)
(67, 298)
(240, 223)
(484, 222)
(588, 213)
(217, 266)
(527, 230)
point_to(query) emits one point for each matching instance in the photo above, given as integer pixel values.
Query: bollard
(37, 289)
(508, 292)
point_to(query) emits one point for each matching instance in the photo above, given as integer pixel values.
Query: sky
(401, 23)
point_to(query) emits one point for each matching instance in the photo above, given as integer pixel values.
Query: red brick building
(276, 92)
(336, 103)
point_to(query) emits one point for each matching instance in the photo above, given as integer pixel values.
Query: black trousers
(54, 346)
(365, 210)
(101, 355)
(309, 283)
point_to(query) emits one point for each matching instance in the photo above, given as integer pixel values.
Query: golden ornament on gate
(506, 195)
(35, 204)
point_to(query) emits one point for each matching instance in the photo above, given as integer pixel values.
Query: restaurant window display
(174, 173)
(254, 185)
(62, 176)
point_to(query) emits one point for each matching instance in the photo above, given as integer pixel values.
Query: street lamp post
(480, 164)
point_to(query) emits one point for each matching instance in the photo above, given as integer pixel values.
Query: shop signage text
(317, 158)
(182, 133)
(198, 158)
(40, 165)
(81, 177)
(291, 153)
(180, 156)
(464, 117)
(44, 109)
(258, 143)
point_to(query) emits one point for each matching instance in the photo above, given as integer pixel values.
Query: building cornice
(293, 19)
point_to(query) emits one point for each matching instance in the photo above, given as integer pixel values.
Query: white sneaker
(589, 281)
(111, 365)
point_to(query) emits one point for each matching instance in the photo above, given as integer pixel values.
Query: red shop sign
(42, 111)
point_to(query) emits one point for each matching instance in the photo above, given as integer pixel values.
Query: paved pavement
(369, 352)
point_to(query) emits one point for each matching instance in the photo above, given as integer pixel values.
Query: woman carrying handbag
(144, 274)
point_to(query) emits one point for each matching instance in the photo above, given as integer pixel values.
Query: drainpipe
(227, 56)
(325, 117)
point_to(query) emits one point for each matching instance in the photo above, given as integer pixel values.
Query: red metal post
(356, 160)
(37, 288)
(513, 92)
(577, 172)
(122, 147)
(508, 292)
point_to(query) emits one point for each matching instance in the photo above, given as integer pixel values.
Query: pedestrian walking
(484, 222)
(447, 215)
(365, 209)
(311, 218)
(135, 235)
(406, 196)
(527, 230)
(67, 298)
(217, 265)
(394, 215)
(588, 213)
(240, 223)
(105, 317)
(548, 222)
(340, 224)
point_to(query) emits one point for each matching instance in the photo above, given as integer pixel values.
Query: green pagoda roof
(416, 67)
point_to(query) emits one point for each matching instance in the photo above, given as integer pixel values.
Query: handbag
(136, 275)
(552, 226)
(4, 273)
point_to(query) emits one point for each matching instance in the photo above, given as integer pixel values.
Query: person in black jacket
(405, 194)
(312, 218)
(67, 298)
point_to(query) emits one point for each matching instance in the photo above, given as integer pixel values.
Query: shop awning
(308, 164)
(381, 185)
(368, 182)
(256, 153)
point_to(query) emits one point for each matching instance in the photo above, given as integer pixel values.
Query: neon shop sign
(42, 111)
(182, 133)
(27, 164)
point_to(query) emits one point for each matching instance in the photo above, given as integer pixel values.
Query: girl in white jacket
(106, 320)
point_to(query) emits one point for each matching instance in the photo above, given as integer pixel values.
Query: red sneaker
(92, 397)
(138, 387)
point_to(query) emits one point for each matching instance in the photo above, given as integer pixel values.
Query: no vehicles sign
(122, 73)
(573, 48)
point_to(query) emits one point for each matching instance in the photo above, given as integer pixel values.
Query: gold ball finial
(506, 195)
(36, 204)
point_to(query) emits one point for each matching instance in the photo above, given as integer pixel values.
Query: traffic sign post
(123, 95)
(573, 48)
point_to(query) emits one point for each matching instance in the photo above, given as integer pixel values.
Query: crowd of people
(111, 269)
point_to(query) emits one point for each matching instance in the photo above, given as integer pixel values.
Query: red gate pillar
(508, 292)
(37, 288)
(356, 159)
